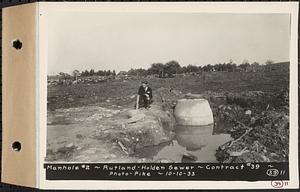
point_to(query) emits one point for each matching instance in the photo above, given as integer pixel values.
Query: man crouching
(144, 96)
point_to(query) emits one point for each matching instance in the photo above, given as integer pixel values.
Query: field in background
(122, 91)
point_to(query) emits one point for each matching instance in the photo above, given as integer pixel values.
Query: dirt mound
(140, 128)
(117, 132)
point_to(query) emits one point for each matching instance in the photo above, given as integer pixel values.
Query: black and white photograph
(168, 87)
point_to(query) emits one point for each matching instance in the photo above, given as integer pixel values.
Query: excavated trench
(98, 134)
(190, 144)
(258, 123)
(194, 141)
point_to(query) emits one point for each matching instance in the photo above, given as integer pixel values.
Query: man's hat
(144, 81)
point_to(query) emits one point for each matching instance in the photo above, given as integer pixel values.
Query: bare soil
(98, 123)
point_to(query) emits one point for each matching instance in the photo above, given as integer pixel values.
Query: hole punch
(17, 44)
(16, 146)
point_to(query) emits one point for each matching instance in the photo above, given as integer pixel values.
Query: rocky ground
(101, 134)
(260, 127)
(98, 123)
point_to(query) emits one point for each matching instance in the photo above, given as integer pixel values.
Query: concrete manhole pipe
(193, 112)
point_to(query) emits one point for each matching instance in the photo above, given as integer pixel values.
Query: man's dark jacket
(142, 91)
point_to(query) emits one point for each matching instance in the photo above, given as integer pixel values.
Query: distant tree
(124, 73)
(269, 62)
(208, 67)
(230, 67)
(63, 76)
(184, 69)
(157, 68)
(85, 73)
(245, 61)
(255, 66)
(132, 72)
(245, 65)
(171, 68)
(109, 73)
(141, 72)
(92, 72)
(100, 73)
(75, 74)
(138, 72)
(219, 67)
(114, 73)
(199, 68)
(192, 69)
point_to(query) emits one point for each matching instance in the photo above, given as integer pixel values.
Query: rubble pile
(260, 127)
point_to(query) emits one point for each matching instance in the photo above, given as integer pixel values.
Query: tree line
(99, 73)
(171, 69)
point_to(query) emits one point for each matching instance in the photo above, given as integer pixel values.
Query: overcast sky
(120, 41)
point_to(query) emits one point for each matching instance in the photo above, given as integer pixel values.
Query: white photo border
(45, 9)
